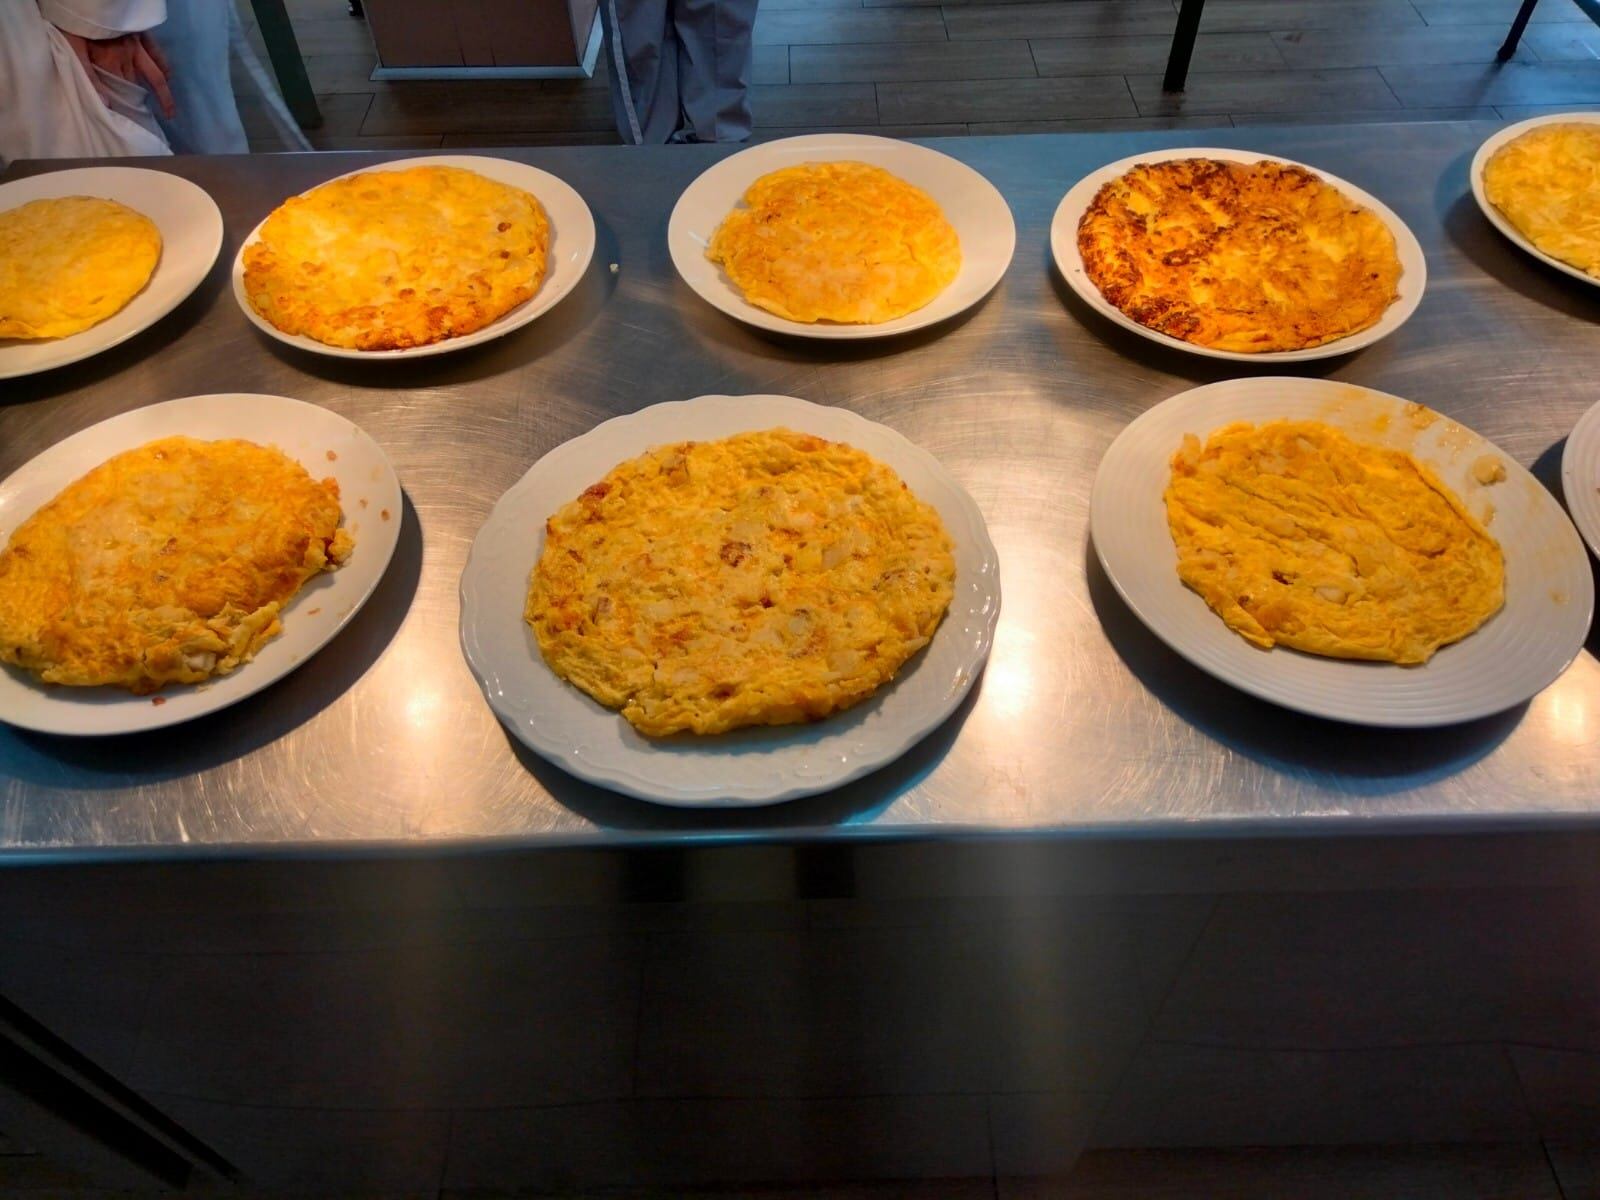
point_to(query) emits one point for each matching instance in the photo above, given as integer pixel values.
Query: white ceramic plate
(1496, 218)
(1064, 246)
(324, 442)
(191, 236)
(1580, 477)
(571, 248)
(970, 202)
(1524, 647)
(750, 766)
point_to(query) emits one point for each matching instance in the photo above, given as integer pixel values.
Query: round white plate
(324, 442)
(1064, 246)
(1496, 217)
(748, 766)
(191, 236)
(970, 202)
(1521, 649)
(1580, 476)
(571, 248)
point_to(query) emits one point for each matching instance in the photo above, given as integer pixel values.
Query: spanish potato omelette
(168, 563)
(762, 579)
(1547, 184)
(837, 241)
(386, 260)
(1297, 535)
(1243, 257)
(69, 262)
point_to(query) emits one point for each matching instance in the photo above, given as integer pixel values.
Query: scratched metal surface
(1083, 719)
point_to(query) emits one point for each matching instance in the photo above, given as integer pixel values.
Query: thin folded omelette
(1547, 183)
(69, 262)
(169, 563)
(763, 579)
(1296, 535)
(386, 260)
(837, 241)
(1245, 257)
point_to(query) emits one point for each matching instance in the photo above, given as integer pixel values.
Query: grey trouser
(680, 69)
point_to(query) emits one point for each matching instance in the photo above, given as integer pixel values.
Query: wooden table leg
(1182, 45)
(290, 68)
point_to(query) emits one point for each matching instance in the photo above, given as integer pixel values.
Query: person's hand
(134, 56)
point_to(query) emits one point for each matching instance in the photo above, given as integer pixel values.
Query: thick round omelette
(390, 259)
(166, 564)
(69, 262)
(1296, 535)
(764, 579)
(1245, 257)
(1547, 183)
(837, 241)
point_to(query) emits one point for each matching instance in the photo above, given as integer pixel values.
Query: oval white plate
(1064, 246)
(751, 766)
(1580, 476)
(972, 204)
(571, 248)
(1524, 647)
(191, 236)
(1496, 217)
(368, 489)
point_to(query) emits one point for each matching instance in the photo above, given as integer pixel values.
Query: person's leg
(715, 48)
(195, 38)
(642, 56)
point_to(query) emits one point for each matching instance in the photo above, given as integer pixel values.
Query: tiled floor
(925, 68)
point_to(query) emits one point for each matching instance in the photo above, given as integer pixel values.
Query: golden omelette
(1547, 183)
(764, 579)
(165, 564)
(1246, 257)
(69, 262)
(385, 260)
(838, 241)
(1296, 535)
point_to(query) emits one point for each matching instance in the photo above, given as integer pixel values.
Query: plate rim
(159, 718)
(1480, 159)
(1069, 262)
(1098, 502)
(1589, 425)
(631, 784)
(217, 231)
(758, 318)
(506, 323)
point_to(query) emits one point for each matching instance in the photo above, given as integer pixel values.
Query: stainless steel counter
(1082, 721)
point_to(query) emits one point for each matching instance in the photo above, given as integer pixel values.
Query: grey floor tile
(1099, 125)
(1563, 1090)
(876, 63)
(1473, 12)
(1100, 55)
(1577, 1167)
(342, 115)
(460, 107)
(343, 72)
(1041, 1133)
(791, 27)
(1178, 1095)
(396, 141)
(805, 105)
(1062, 18)
(1225, 16)
(1366, 116)
(889, 131)
(1325, 48)
(682, 1143)
(1521, 112)
(1510, 1172)
(1561, 43)
(770, 64)
(339, 34)
(1266, 91)
(531, 137)
(1513, 83)
(1006, 100)
(95, 1000)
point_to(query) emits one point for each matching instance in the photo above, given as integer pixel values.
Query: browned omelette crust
(1246, 257)
(168, 563)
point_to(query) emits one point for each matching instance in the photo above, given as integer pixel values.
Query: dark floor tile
(1513, 83)
(1041, 1133)
(770, 64)
(1475, 12)
(1225, 16)
(1561, 43)
(460, 107)
(1063, 18)
(1577, 1167)
(339, 34)
(1099, 125)
(1324, 48)
(808, 105)
(948, 129)
(1379, 116)
(1100, 55)
(342, 72)
(92, 999)
(531, 137)
(1265, 91)
(1563, 1090)
(1006, 100)
(1521, 112)
(873, 63)
(791, 27)
(343, 114)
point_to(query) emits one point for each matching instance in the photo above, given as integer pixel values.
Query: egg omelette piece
(69, 262)
(1246, 257)
(390, 259)
(169, 563)
(1296, 535)
(1547, 184)
(837, 241)
(763, 579)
